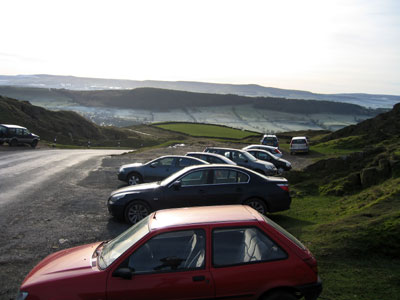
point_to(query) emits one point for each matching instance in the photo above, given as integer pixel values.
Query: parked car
(274, 150)
(202, 185)
(212, 158)
(245, 159)
(16, 135)
(280, 163)
(156, 169)
(223, 252)
(270, 140)
(299, 144)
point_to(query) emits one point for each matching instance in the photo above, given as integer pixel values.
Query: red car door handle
(199, 278)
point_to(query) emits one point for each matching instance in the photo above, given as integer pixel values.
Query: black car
(156, 169)
(202, 185)
(212, 158)
(280, 163)
(16, 135)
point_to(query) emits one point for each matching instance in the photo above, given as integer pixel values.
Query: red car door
(246, 263)
(171, 265)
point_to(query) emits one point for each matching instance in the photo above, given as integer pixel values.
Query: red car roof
(202, 215)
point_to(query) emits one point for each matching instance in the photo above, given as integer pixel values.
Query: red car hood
(63, 264)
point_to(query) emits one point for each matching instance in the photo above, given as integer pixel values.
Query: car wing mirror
(177, 185)
(125, 273)
(153, 165)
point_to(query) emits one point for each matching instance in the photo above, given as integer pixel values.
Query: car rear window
(299, 141)
(284, 232)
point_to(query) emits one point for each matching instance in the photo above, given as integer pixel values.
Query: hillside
(250, 90)
(364, 185)
(346, 208)
(68, 127)
(382, 127)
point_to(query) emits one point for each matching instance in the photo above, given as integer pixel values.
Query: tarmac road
(21, 172)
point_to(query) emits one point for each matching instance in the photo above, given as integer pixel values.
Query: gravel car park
(64, 210)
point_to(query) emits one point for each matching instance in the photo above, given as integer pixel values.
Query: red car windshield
(116, 247)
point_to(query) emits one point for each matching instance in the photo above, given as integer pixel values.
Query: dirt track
(63, 210)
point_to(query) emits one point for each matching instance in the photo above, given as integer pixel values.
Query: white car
(299, 144)
(274, 150)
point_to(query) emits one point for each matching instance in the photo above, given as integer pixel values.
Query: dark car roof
(202, 215)
(210, 154)
(235, 167)
(223, 148)
(259, 150)
(183, 156)
(206, 153)
(12, 126)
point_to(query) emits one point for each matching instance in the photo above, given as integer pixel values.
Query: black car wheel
(257, 204)
(280, 296)
(134, 178)
(136, 211)
(13, 143)
(34, 143)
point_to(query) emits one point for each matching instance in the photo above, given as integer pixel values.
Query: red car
(220, 252)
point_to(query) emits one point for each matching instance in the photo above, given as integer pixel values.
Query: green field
(354, 238)
(206, 130)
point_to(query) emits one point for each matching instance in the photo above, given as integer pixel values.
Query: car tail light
(284, 186)
(312, 263)
(277, 151)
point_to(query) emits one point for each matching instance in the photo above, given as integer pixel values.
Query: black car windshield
(116, 247)
(249, 156)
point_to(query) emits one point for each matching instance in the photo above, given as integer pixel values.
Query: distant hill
(164, 100)
(250, 90)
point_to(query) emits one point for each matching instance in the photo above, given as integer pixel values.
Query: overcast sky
(319, 46)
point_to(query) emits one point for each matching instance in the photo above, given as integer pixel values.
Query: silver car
(245, 159)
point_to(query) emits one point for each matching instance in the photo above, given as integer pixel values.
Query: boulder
(369, 177)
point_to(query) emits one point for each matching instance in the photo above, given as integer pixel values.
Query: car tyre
(257, 204)
(134, 178)
(136, 211)
(281, 295)
(34, 143)
(13, 143)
